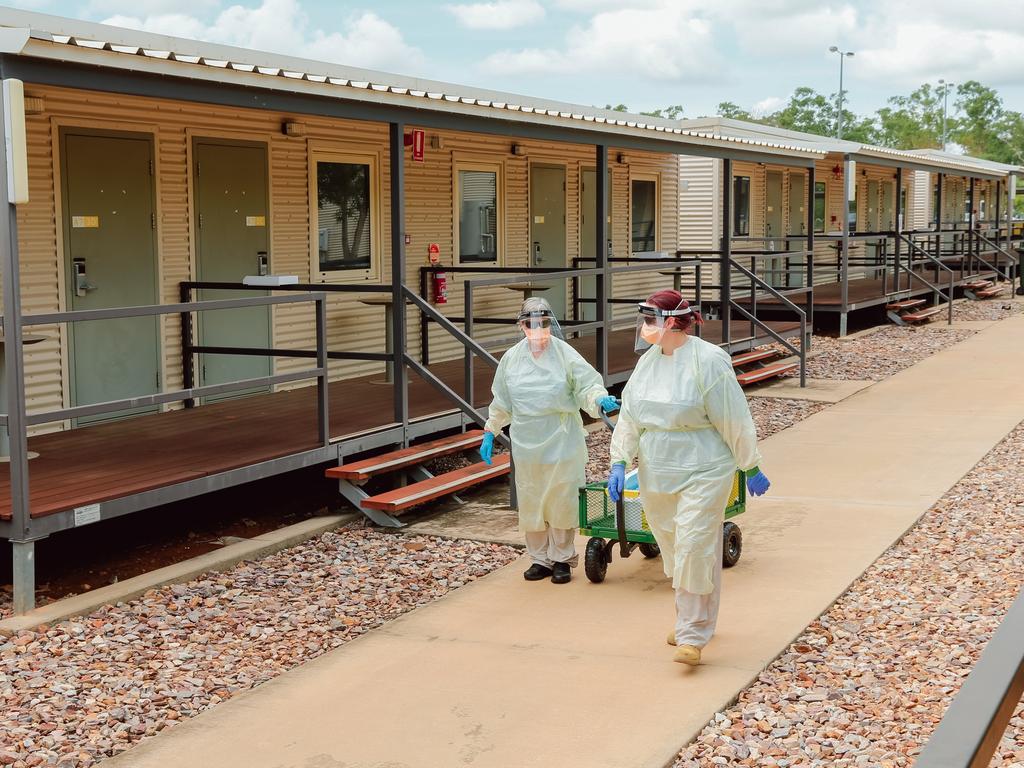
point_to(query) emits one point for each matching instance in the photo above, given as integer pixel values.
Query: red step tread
(924, 314)
(905, 304)
(977, 284)
(762, 374)
(436, 487)
(754, 356)
(988, 293)
(407, 457)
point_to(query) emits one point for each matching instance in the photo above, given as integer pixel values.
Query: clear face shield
(653, 323)
(538, 327)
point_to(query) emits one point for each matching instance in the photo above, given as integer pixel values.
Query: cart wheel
(732, 544)
(595, 562)
(650, 550)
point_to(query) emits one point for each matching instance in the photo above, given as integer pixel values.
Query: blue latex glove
(757, 482)
(608, 404)
(616, 481)
(487, 447)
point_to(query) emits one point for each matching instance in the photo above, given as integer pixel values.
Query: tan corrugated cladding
(352, 326)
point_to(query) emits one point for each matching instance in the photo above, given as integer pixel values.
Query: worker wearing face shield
(539, 389)
(687, 420)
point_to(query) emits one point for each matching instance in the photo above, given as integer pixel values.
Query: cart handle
(620, 523)
(608, 419)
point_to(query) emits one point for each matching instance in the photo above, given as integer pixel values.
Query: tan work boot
(671, 639)
(687, 654)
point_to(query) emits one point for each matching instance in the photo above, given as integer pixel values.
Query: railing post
(849, 182)
(323, 380)
(725, 257)
(424, 321)
(22, 539)
(972, 241)
(396, 158)
(188, 363)
(898, 243)
(999, 196)
(810, 253)
(467, 313)
(602, 281)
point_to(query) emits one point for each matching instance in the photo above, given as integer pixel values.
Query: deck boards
(119, 458)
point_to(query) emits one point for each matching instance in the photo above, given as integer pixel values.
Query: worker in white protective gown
(540, 387)
(687, 420)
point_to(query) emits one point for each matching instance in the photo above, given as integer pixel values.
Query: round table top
(527, 287)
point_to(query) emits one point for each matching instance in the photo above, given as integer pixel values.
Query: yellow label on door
(85, 222)
(255, 221)
(538, 219)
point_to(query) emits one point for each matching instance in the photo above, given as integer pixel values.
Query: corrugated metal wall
(351, 325)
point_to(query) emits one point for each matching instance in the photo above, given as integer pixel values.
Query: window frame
(487, 166)
(316, 155)
(736, 207)
(824, 207)
(656, 179)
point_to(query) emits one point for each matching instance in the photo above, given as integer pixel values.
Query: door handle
(82, 284)
(262, 263)
(537, 258)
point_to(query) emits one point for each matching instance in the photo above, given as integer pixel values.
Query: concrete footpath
(508, 673)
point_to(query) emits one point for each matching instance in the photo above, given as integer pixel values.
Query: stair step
(360, 471)
(924, 314)
(978, 284)
(755, 356)
(988, 293)
(905, 304)
(763, 374)
(441, 485)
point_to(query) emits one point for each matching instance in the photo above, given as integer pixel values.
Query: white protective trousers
(697, 615)
(554, 545)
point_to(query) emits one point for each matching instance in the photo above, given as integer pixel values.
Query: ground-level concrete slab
(817, 390)
(508, 673)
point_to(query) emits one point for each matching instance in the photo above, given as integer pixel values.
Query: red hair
(668, 300)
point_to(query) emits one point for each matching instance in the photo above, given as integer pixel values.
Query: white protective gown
(688, 418)
(541, 398)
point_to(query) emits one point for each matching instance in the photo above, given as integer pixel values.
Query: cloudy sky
(644, 53)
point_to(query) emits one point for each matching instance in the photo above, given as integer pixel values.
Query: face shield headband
(651, 322)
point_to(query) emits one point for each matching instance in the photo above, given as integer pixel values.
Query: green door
(588, 233)
(231, 222)
(110, 261)
(797, 226)
(547, 229)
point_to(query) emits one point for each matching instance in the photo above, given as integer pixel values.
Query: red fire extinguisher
(440, 281)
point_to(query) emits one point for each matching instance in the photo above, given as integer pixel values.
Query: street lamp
(945, 90)
(843, 55)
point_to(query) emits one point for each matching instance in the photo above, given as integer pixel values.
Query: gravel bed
(93, 686)
(770, 414)
(880, 354)
(866, 683)
(998, 308)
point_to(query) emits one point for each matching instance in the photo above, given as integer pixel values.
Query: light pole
(945, 91)
(843, 55)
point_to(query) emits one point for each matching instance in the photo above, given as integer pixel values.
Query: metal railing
(912, 273)
(970, 731)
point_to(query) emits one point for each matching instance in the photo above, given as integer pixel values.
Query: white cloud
(502, 14)
(665, 43)
(282, 26)
(144, 8)
(767, 106)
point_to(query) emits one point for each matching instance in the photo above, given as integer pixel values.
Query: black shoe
(562, 575)
(536, 572)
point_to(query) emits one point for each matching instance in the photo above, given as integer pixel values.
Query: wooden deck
(120, 458)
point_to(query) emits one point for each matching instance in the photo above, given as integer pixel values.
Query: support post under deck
(602, 281)
(396, 158)
(22, 539)
(898, 245)
(849, 179)
(809, 307)
(725, 261)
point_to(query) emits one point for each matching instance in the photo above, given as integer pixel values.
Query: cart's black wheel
(650, 550)
(595, 562)
(732, 544)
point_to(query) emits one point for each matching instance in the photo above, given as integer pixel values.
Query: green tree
(986, 129)
(914, 121)
(674, 112)
(812, 112)
(617, 107)
(734, 111)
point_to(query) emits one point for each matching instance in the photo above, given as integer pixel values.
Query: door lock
(262, 263)
(82, 284)
(537, 258)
